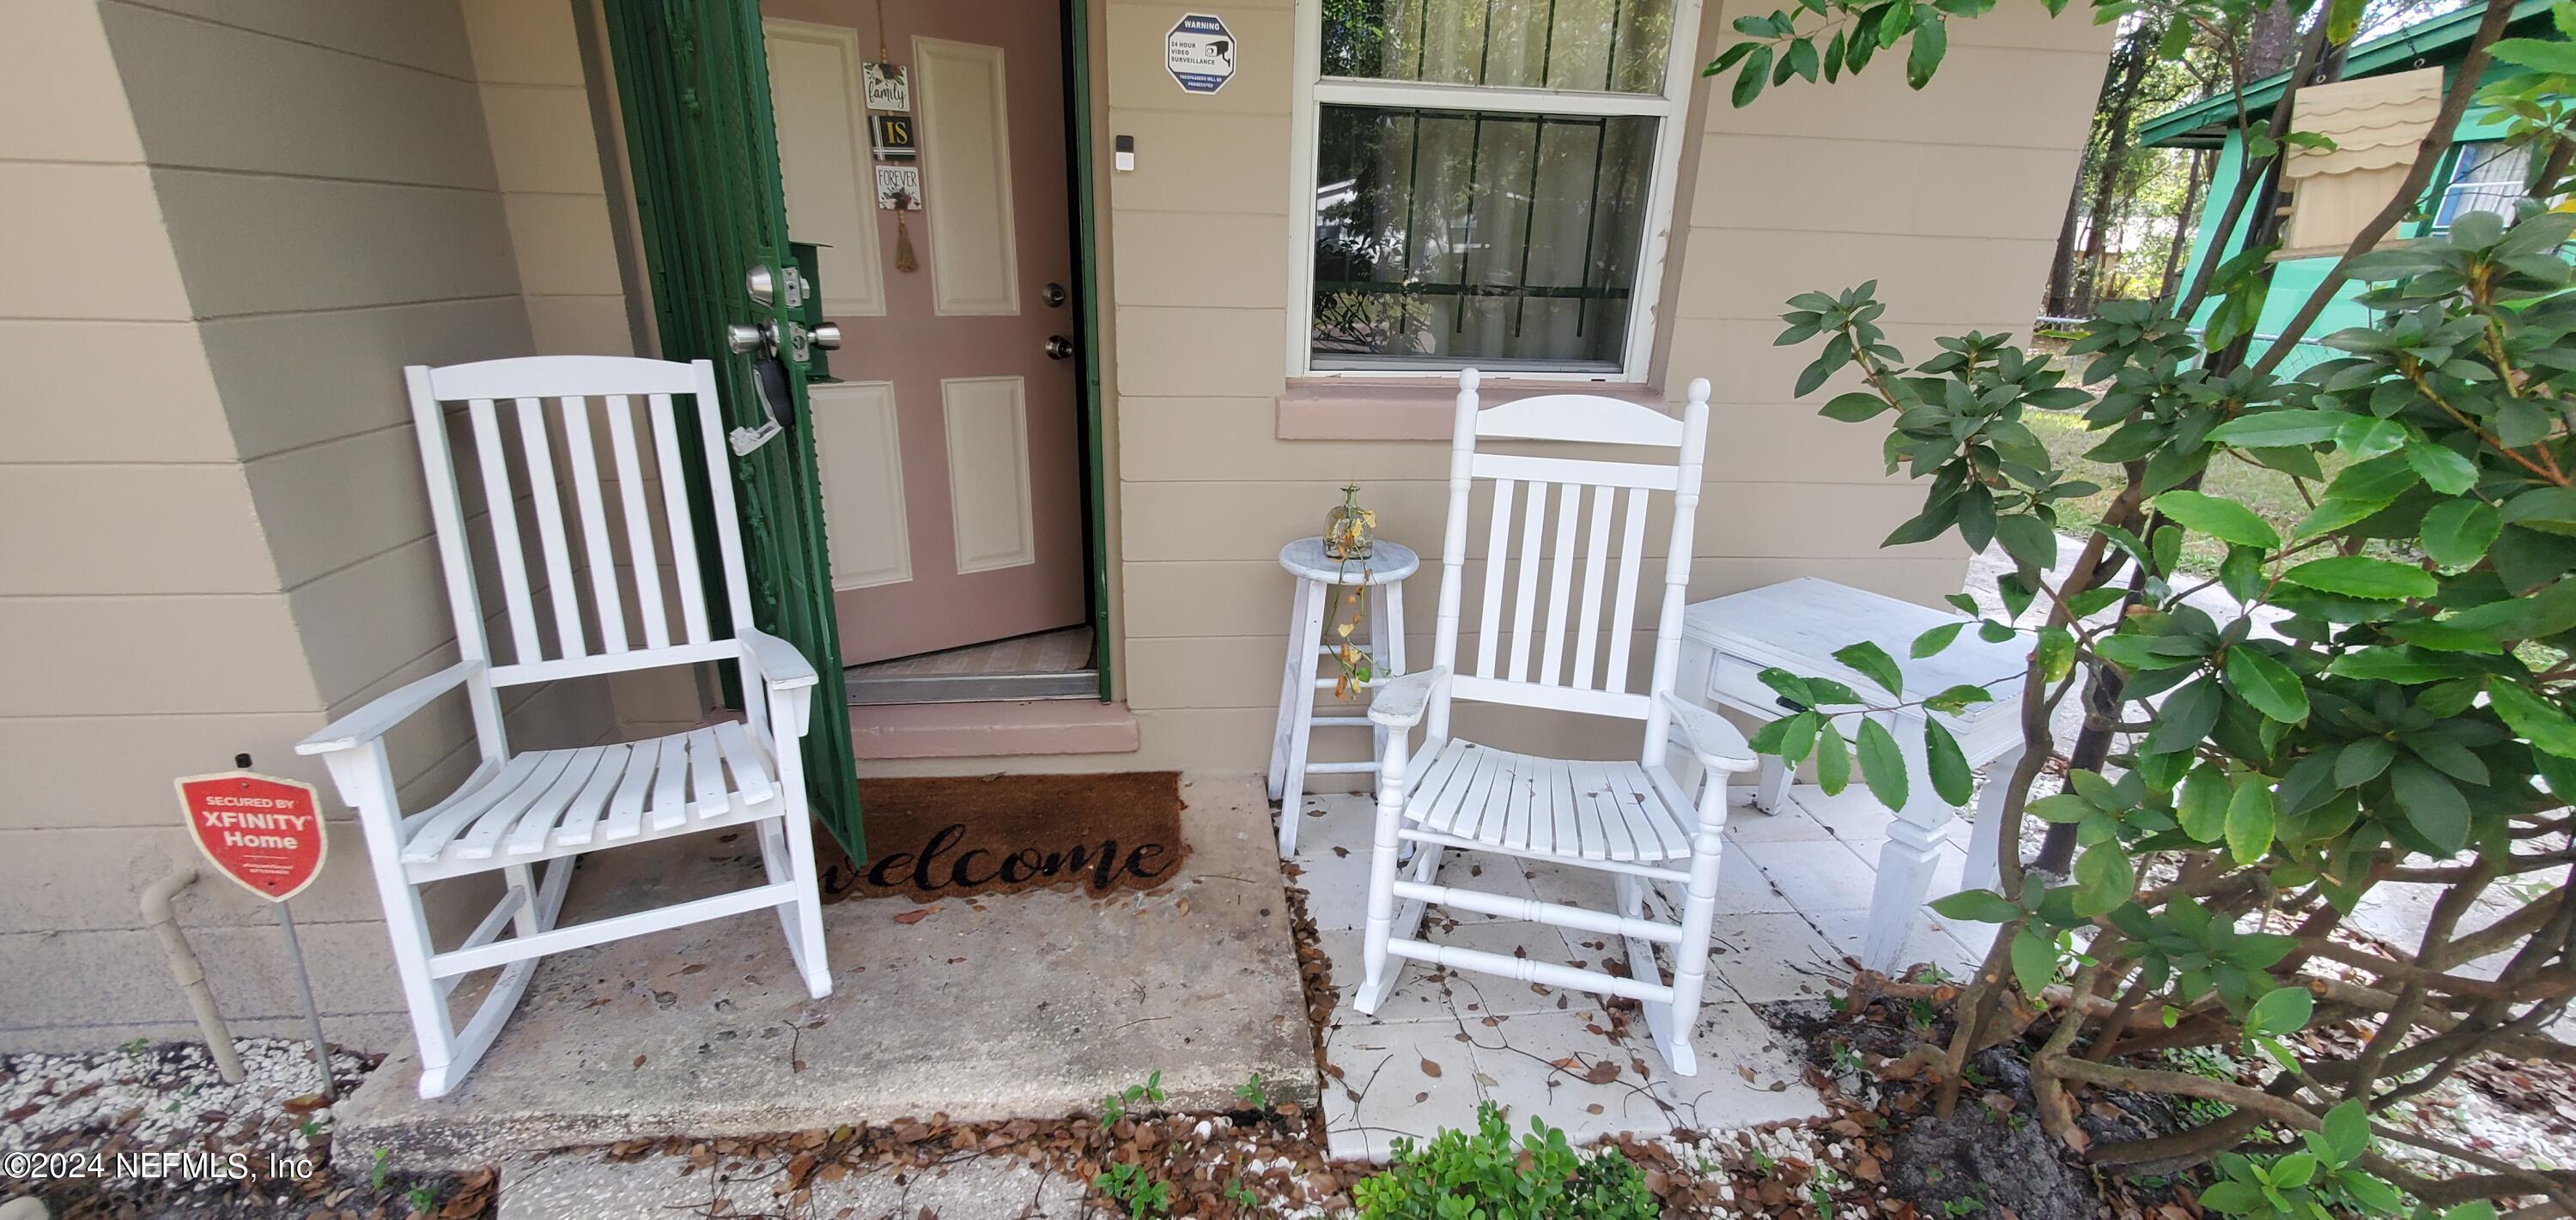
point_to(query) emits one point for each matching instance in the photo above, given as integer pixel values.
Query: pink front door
(950, 448)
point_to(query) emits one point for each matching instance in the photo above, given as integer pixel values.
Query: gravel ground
(155, 1131)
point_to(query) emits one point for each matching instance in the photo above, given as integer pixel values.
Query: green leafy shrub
(1483, 1175)
(2382, 698)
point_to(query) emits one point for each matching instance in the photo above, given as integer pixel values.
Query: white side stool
(1797, 625)
(1382, 574)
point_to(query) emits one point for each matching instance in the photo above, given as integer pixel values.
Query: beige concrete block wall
(252, 216)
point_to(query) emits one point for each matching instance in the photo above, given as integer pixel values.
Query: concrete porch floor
(1793, 896)
(999, 1006)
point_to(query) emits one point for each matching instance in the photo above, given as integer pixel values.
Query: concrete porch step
(1034, 1005)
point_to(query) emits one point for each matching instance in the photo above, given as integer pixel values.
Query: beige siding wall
(251, 216)
(1948, 197)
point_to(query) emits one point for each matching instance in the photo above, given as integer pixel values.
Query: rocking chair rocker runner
(519, 810)
(1634, 820)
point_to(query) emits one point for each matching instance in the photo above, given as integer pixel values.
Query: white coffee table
(1798, 625)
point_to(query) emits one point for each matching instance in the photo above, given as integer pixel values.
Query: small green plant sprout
(1130, 1188)
(1113, 1106)
(1763, 1162)
(135, 1048)
(1252, 1094)
(1483, 1173)
(1970, 1205)
(2319, 1181)
(1847, 1060)
(1820, 1191)
(423, 1200)
(379, 1171)
(1241, 1197)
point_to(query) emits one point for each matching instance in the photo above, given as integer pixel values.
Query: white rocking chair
(1634, 820)
(519, 810)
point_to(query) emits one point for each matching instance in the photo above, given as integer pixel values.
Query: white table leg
(1773, 788)
(1287, 689)
(1906, 863)
(1984, 869)
(1313, 596)
(1385, 650)
(1393, 658)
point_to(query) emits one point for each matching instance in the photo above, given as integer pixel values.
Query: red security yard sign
(258, 830)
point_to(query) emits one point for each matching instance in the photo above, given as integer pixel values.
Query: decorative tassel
(903, 257)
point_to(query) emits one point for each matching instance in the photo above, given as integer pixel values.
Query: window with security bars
(1486, 173)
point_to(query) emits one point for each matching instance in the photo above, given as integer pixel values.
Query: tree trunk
(2270, 40)
(2136, 54)
(2061, 270)
(2192, 182)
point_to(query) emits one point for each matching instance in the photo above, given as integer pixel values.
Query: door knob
(761, 283)
(826, 335)
(1052, 294)
(1059, 348)
(742, 337)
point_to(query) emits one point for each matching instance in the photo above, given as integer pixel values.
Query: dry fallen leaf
(916, 915)
(639, 1061)
(1430, 1069)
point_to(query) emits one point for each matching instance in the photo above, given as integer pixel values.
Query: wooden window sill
(1415, 409)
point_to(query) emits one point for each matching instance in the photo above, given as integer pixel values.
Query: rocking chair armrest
(780, 665)
(1400, 702)
(1711, 739)
(381, 714)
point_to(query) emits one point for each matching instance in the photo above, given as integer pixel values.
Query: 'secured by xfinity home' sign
(263, 832)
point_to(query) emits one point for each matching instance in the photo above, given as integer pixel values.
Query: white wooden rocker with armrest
(519, 810)
(1634, 820)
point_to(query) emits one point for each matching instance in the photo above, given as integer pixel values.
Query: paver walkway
(1793, 894)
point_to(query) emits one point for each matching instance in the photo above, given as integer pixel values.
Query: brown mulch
(945, 837)
(1201, 1156)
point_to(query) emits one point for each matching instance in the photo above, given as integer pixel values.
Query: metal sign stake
(304, 992)
(271, 857)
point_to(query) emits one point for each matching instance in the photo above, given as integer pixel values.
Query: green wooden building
(2478, 173)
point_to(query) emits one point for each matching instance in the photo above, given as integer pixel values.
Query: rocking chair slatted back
(1596, 503)
(551, 398)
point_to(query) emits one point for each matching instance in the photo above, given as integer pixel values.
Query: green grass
(2268, 492)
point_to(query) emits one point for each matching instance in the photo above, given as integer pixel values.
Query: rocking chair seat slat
(549, 801)
(550, 788)
(706, 774)
(1614, 810)
(528, 836)
(435, 832)
(750, 770)
(579, 821)
(626, 808)
(671, 782)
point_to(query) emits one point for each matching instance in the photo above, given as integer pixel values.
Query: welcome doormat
(993, 834)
